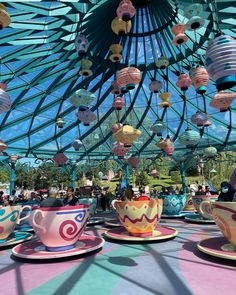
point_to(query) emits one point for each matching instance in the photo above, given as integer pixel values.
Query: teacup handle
(26, 216)
(35, 224)
(205, 209)
(113, 204)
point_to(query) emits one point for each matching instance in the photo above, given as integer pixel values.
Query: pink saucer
(218, 247)
(36, 250)
(160, 233)
(113, 222)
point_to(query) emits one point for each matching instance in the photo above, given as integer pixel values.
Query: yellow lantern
(127, 134)
(5, 19)
(116, 50)
(161, 143)
(165, 96)
(85, 68)
(120, 27)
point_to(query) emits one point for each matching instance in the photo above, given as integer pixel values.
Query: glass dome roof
(41, 67)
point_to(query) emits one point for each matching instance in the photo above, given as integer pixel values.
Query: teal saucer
(24, 228)
(197, 218)
(15, 238)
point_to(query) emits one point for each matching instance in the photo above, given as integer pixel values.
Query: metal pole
(12, 177)
(126, 175)
(182, 173)
(72, 178)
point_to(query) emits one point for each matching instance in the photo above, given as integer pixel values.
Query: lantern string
(217, 16)
(186, 110)
(167, 125)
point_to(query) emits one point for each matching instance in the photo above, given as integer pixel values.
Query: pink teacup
(59, 228)
(198, 199)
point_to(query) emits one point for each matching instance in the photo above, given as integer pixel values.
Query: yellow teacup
(224, 215)
(139, 217)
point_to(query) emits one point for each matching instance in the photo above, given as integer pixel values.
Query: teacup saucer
(24, 228)
(113, 222)
(36, 250)
(95, 220)
(197, 218)
(160, 233)
(180, 215)
(15, 238)
(218, 247)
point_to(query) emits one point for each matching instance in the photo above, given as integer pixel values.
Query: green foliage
(175, 176)
(4, 175)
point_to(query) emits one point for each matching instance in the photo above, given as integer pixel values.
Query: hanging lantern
(118, 103)
(86, 116)
(81, 45)
(124, 90)
(199, 118)
(5, 102)
(193, 12)
(155, 86)
(168, 146)
(5, 19)
(3, 86)
(60, 159)
(85, 68)
(116, 127)
(125, 10)
(183, 82)
(200, 78)
(116, 88)
(77, 144)
(120, 27)
(209, 152)
(127, 134)
(116, 50)
(161, 143)
(133, 162)
(180, 38)
(189, 138)
(222, 100)
(220, 61)
(60, 122)
(119, 149)
(154, 173)
(3, 146)
(162, 62)
(82, 97)
(207, 123)
(165, 96)
(128, 77)
(158, 127)
(13, 159)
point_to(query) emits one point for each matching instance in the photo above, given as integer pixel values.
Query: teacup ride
(198, 217)
(25, 225)
(60, 233)
(92, 202)
(9, 217)
(224, 215)
(173, 206)
(139, 221)
(189, 207)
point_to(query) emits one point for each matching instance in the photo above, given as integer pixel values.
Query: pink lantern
(3, 146)
(119, 149)
(183, 82)
(207, 123)
(13, 159)
(128, 77)
(118, 103)
(116, 127)
(169, 146)
(77, 144)
(200, 78)
(3, 86)
(125, 10)
(81, 45)
(180, 38)
(86, 116)
(116, 88)
(5, 102)
(200, 118)
(155, 86)
(222, 100)
(133, 162)
(60, 159)
(154, 173)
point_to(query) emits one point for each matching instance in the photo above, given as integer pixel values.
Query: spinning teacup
(59, 228)
(92, 202)
(139, 217)
(173, 204)
(198, 199)
(224, 215)
(9, 217)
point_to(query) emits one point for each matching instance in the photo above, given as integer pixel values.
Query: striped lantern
(189, 138)
(180, 38)
(221, 61)
(155, 86)
(162, 62)
(120, 27)
(116, 88)
(125, 10)
(158, 127)
(81, 45)
(169, 146)
(128, 77)
(86, 116)
(183, 82)
(222, 100)
(119, 149)
(3, 146)
(82, 97)
(118, 103)
(5, 102)
(199, 118)
(200, 78)
(77, 144)
(165, 96)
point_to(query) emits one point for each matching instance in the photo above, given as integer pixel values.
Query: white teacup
(9, 217)
(59, 228)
